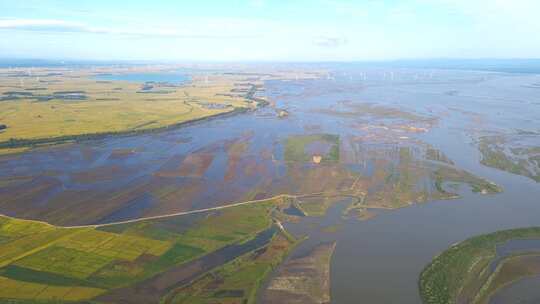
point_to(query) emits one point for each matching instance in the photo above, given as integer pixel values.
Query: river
(375, 261)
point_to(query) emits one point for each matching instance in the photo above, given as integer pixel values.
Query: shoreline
(42, 142)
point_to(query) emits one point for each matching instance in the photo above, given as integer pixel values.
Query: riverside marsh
(396, 156)
(474, 270)
(42, 104)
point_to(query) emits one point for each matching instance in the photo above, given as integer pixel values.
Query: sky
(266, 30)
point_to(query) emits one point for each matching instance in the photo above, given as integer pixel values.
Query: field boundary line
(164, 216)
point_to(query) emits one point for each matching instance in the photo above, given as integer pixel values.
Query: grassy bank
(14, 145)
(73, 106)
(457, 269)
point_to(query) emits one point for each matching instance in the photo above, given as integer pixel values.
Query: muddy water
(375, 261)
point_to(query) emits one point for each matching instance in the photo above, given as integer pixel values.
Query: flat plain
(202, 190)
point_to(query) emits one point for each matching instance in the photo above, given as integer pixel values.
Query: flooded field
(386, 164)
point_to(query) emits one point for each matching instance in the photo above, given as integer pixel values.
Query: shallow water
(375, 261)
(524, 291)
(379, 260)
(514, 247)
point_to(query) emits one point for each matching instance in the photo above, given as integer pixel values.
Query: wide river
(375, 261)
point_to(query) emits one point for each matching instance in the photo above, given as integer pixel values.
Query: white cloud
(41, 24)
(211, 30)
(331, 42)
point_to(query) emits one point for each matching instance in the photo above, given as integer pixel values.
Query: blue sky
(293, 30)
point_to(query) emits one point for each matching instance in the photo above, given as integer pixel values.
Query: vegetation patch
(178, 253)
(41, 262)
(436, 155)
(461, 272)
(404, 177)
(318, 205)
(355, 110)
(33, 292)
(304, 279)
(78, 107)
(515, 153)
(15, 272)
(64, 261)
(238, 281)
(315, 148)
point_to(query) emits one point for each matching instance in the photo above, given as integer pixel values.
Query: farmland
(41, 262)
(44, 106)
(237, 280)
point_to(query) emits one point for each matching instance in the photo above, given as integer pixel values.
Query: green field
(238, 281)
(461, 271)
(296, 148)
(41, 262)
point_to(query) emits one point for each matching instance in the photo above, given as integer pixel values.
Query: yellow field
(69, 253)
(64, 261)
(14, 289)
(124, 247)
(110, 106)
